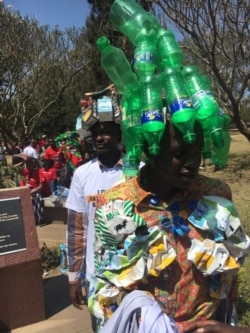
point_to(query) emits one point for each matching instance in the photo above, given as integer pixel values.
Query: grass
(243, 306)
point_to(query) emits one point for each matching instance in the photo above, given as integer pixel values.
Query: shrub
(50, 257)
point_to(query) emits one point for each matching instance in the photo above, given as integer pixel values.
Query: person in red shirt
(54, 153)
(48, 172)
(31, 177)
(73, 160)
(43, 141)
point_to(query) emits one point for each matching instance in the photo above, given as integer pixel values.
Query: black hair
(47, 164)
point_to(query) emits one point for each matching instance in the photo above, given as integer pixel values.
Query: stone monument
(21, 284)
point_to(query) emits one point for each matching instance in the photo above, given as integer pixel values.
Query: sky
(61, 13)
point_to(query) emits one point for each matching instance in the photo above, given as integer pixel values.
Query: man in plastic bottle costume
(172, 233)
(102, 118)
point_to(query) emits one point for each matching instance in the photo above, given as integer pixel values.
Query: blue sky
(64, 13)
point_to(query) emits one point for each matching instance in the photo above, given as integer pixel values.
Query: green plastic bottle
(133, 120)
(145, 58)
(220, 154)
(207, 149)
(132, 20)
(116, 65)
(169, 52)
(131, 159)
(179, 104)
(202, 98)
(204, 103)
(152, 116)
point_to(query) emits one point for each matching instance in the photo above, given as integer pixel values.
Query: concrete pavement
(61, 316)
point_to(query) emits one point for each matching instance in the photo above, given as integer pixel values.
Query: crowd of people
(46, 164)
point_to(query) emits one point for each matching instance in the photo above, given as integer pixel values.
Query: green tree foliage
(217, 38)
(37, 66)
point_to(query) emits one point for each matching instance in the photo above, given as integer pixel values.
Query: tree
(216, 35)
(37, 66)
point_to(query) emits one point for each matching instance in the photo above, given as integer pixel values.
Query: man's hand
(212, 326)
(75, 293)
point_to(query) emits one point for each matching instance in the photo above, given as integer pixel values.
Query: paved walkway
(61, 316)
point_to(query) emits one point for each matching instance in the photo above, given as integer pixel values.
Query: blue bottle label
(180, 104)
(152, 115)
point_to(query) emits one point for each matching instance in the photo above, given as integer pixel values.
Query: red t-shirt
(48, 176)
(75, 160)
(31, 179)
(56, 155)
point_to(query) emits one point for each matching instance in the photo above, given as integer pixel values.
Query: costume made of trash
(186, 252)
(175, 250)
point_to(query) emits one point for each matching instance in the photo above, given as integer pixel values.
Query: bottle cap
(102, 42)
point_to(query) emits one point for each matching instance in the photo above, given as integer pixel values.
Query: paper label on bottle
(180, 104)
(104, 104)
(105, 109)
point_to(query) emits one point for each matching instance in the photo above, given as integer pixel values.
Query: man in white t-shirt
(89, 180)
(30, 149)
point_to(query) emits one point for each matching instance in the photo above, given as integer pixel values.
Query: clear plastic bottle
(132, 20)
(204, 103)
(179, 104)
(169, 52)
(116, 65)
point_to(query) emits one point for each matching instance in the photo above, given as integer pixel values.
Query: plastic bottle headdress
(188, 95)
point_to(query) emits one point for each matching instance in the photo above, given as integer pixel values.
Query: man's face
(106, 136)
(33, 143)
(178, 162)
